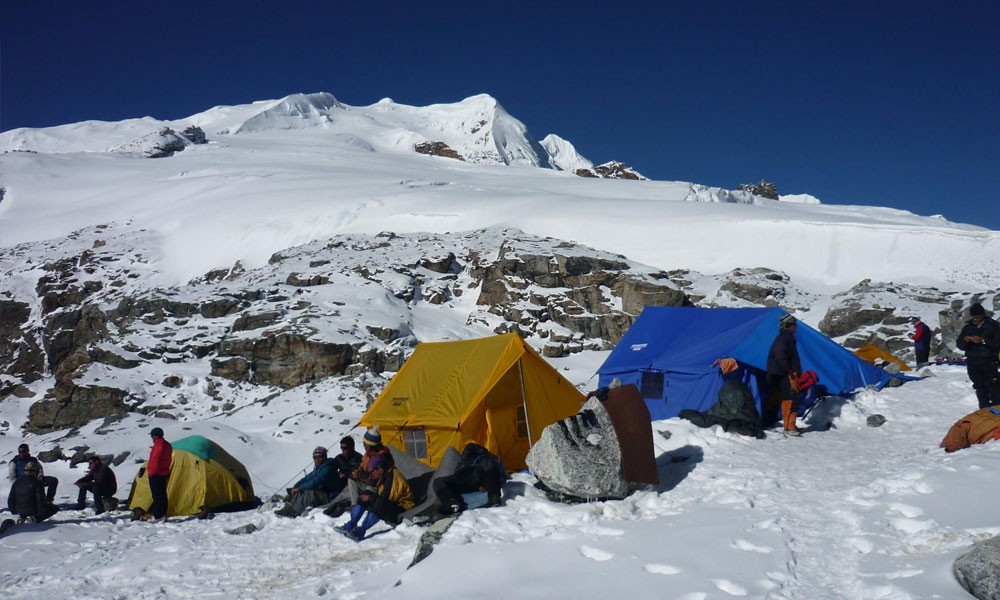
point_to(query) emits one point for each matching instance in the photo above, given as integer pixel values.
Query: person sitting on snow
(16, 470)
(391, 497)
(100, 481)
(479, 471)
(373, 447)
(316, 488)
(27, 496)
(361, 477)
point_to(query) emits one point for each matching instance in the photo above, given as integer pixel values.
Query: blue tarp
(682, 343)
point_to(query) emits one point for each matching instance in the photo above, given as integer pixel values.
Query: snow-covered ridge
(478, 128)
(563, 154)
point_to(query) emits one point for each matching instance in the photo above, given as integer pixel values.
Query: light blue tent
(668, 354)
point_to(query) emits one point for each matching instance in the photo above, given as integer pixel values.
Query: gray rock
(978, 570)
(432, 535)
(875, 420)
(579, 457)
(243, 529)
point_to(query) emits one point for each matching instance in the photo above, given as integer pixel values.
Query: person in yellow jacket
(392, 496)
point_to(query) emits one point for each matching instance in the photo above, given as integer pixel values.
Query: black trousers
(985, 378)
(449, 489)
(81, 497)
(158, 490)
(923, 354)
(381, 507)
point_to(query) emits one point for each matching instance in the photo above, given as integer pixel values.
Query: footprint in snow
(751, 547)
(860, 545)
(595, 553)
(661, 569)
(729, 587)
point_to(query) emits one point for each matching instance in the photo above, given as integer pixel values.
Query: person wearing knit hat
(317, 488)
(783, 369)
(980, 340)
(373, 437)
(373, 447)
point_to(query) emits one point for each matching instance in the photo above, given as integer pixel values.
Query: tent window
(522, 423)
(652, 384)
(416, 442)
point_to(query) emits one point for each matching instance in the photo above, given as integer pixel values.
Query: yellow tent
(871, 353)
(202, 474)
(495, 391)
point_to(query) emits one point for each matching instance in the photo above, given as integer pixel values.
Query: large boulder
(580, 456)
(978, 570)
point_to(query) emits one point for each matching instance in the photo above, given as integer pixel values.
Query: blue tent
(668, 354)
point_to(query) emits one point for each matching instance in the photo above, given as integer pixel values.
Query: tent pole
(524, 402)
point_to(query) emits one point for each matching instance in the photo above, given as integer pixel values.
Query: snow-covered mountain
(281, 173)
(262, 287)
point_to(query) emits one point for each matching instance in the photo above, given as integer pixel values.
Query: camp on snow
(669, 352)
(203, 477)
(495, 391)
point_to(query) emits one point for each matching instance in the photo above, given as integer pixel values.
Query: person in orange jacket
(158, 470)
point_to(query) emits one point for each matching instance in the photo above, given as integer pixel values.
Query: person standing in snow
(15, 471)
(980, 340)
(391, 497)
(158, 471)
(783, 368)
(921, 337)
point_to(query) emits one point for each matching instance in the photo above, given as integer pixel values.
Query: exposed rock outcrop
(437, 149)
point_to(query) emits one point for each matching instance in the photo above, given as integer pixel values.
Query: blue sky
(885, 103)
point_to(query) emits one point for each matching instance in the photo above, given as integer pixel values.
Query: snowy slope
(733, 517)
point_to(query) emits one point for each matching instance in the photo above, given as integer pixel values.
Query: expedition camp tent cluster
(498, 392)
(669, 352)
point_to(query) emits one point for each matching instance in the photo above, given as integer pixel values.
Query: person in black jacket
(783, 368)
(16, 471)
(980, 339)
(479, 471)
(101, 482)
(27, 496)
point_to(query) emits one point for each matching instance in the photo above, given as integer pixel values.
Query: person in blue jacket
(316, 488)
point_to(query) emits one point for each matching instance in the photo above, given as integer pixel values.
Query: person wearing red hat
(980, 340)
